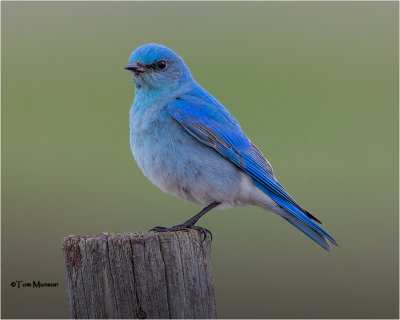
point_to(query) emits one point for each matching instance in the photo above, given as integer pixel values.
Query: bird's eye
(161, 64)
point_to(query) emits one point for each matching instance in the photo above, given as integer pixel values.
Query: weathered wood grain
(139, 275)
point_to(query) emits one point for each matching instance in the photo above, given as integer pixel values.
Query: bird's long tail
(312, 234)
(302, 221)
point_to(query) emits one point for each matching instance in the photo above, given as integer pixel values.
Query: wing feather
(211, 124)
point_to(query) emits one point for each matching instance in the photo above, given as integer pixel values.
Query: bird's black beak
(136, 67)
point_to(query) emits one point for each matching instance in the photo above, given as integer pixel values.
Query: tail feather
(312, 234)
(301, 220)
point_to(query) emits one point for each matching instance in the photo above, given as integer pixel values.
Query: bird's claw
(160, 229)
(180, 227)
(204, 231)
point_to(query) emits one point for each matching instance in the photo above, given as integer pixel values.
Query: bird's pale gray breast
(178, 163)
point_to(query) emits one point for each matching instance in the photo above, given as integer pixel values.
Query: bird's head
(155, 67)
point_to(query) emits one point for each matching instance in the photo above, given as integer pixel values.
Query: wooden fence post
(139, 275)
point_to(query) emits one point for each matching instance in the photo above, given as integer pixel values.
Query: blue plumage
(189, 145)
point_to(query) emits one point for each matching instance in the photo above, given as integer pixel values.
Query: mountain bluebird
(187, 144)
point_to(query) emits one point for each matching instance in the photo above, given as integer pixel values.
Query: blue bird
(187, 144)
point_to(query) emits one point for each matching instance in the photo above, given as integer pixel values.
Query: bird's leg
(191, 222)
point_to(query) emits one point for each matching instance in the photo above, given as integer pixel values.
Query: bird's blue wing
(209, 122)
(214, 126)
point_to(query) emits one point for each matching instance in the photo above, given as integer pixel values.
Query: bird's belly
(179, 164)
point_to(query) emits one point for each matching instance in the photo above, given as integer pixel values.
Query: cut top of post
(139, 275)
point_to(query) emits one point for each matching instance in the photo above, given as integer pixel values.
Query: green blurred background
(315, 86)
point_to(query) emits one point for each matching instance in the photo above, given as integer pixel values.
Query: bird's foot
(184, 226)
(203, 231)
